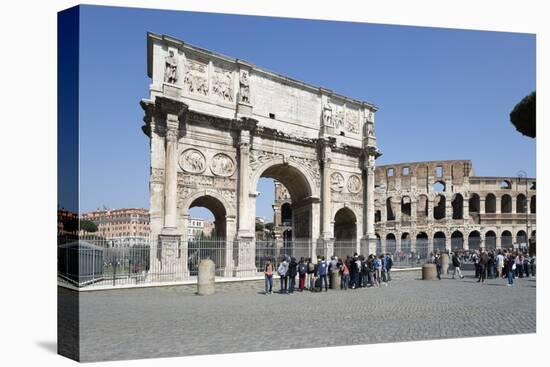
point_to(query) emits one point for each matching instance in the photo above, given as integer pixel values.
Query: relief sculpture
(222, 165)
(196, 80)
(222, 84)
(192, 161)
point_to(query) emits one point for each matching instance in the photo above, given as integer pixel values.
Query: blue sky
(442, 94)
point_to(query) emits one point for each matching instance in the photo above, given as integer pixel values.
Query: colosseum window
(505, 184)
(439, 186)
(406, 171)
(389, 172)
(439, 171)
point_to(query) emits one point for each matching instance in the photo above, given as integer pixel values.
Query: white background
(28, 180)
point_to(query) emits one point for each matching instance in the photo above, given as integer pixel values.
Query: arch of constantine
(217, 125)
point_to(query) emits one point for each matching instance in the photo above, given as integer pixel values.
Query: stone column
(368, 207)
(497, 204)
(245, 234)
(173, 266)
(244, 189)
(482, 205)
(413, 210)
(171, 173)
(326, 231)
(448, 207)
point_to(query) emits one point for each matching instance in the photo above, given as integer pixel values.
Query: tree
(88, 226)
(270, 226)
(259, 227)
(523, 116)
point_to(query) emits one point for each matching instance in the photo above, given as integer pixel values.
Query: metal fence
(93, 262)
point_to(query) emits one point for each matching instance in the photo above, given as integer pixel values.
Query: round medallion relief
(336, 181)
(222, 165)
(354, 184)
(192, 161)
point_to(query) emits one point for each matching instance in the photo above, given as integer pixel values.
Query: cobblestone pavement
(173, 321)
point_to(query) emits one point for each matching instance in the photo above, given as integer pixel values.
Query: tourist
(518, 260)
(491, 265)
(483, 261)
(389, 264)
(292, 271)
(377, 270)
(475, 260)
(352, 273)
(364, 272)
(310, 274)
(526, 264)
(268, 272)
(322, 274)
(383, 269)
(510, 266)
(332, 267)
(282, 270)
(500, 264)
(456, 264)
(344, 271)
(357, 263)
(437, 262)
(302, 272)
(370, 269)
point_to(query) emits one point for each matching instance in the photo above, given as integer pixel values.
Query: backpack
(389, 263)
(281, 270)
(302, 268)
(365, 266)
(311, 267)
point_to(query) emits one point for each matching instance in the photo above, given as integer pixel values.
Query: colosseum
(437, 205)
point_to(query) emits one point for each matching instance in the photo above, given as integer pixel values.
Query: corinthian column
(244, 184)
(325, 193)
(368, 207)
(171, 173)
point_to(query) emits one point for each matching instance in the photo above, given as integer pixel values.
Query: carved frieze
(338, 117)
(336, 181)
(222, 165)
(258, 157)
(196, 77)
(352, 121)
(192, 161)
(346, 197)
(310, 165)
(354, 184)
(222, 84)
(185, 179)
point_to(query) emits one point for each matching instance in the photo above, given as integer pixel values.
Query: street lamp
(523, 174)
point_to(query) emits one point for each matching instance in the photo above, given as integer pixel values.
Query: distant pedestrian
(437, 262)
(322, 268)
(268, 272)
(500, 264)
(389, 265)
(302, 273)
(282, 270)
(310, 274)
(483, 262)
(510, 266)
(344, 282)
(456, 264)
(292, 271)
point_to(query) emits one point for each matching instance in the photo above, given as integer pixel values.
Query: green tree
(523, 116)
(88, 226)
(259, 227)
(270, 226)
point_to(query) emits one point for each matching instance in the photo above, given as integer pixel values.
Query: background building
(442, 205)
(121, 227)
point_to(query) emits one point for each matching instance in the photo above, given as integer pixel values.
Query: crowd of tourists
(354, 272)
(502, 263)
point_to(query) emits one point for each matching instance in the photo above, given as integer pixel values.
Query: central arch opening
(345, 232)
(283, 209)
